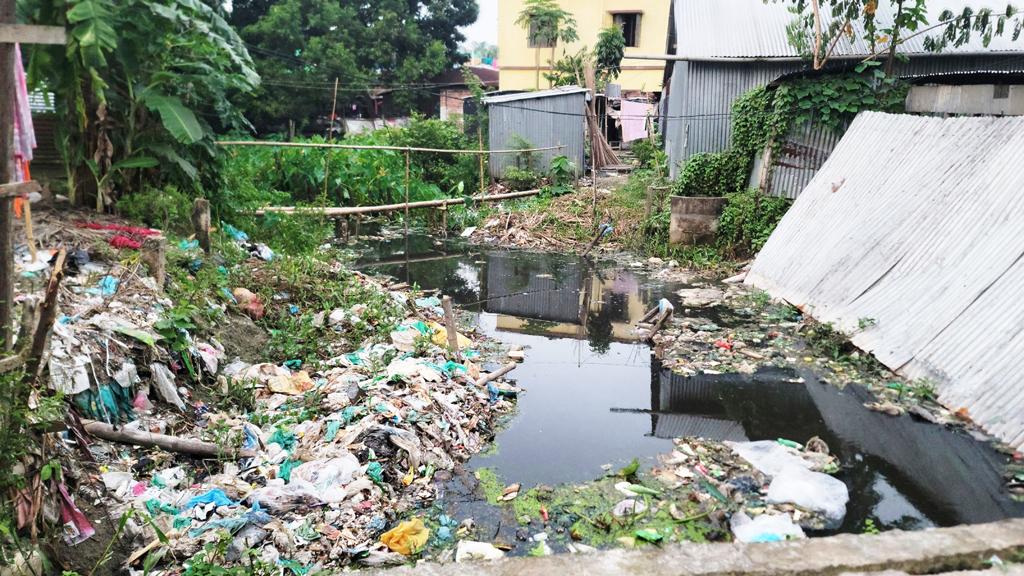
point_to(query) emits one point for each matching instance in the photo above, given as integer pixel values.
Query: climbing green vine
(834, 100)
(765, 116)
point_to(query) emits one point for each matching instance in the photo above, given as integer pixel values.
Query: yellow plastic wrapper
(407, 538)
(441, 337)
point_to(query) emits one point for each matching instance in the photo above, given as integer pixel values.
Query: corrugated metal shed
(915, 222)
(717, 35)
(757, 29)
(545, 118)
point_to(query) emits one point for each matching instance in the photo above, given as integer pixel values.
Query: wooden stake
(154, 255)
(451, 328)
(330, 137)
(47, 315)
(6, 176)
(408, 170)
(28, 230)
(201, 223)
(480, 139)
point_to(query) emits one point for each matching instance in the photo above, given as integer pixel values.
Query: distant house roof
(561, 91)
(725, 29)
(488, 76)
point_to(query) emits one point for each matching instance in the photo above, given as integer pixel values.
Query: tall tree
(546, 23)
(301, 46)
(609, 52)
(822, 24)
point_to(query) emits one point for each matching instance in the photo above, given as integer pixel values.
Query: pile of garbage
(774, 490)
(327, 464)
(299, 466)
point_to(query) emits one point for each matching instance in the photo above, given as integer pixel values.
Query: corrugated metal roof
(561, 91)
(542, 119)
(915, 222)
(757, 29)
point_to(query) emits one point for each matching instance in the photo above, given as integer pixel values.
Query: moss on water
(490, 484)
(582, 512)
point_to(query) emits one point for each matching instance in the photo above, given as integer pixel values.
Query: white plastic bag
(810, 490)
(764, 528)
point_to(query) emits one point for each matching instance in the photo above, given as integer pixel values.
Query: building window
(536, 42)
(1001, 92)
(630, 24)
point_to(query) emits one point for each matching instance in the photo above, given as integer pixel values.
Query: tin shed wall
(542, 122)
(915, 223)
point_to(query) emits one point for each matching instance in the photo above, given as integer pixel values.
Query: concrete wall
(985, 99)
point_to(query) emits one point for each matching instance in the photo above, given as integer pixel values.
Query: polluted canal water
(596, 398)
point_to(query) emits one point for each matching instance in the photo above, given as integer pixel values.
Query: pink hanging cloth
(24, 131)
(634, 120)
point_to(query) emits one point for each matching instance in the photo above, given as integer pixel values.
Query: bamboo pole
(6, 176)
(351, 210)
(480, 139)
(391, 148)
(495, 375)
(330, 138)
(188, 446)
(408, 169)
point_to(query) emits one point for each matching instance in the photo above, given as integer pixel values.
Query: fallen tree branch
(187, 446)
(495, 375)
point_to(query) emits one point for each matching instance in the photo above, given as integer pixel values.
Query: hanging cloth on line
(634, 119)
(24, 131)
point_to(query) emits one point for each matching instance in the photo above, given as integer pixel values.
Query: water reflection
(595, 396)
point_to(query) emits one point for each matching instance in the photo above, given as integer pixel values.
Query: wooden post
(480, 139)
(450, 327)
(47, 315)
(341, 228)
(201, 223)
(444, 221)
(330, 139)
(154, 255)
(6, 176)
(408, 170)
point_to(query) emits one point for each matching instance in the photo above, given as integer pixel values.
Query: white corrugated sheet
(918, 223)
(757, 29)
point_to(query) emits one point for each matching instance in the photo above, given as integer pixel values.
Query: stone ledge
(921, 552)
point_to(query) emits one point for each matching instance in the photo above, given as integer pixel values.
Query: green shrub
(166, 209)
(520, 179)
(442, 170)
(713, 174)
(650, 155)
(747, 221)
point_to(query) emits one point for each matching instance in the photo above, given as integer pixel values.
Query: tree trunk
(537, 61)
(890, 63)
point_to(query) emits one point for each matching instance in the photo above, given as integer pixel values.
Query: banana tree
(140, 84)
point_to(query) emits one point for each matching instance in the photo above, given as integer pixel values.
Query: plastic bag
(407, 538)
(441, 336)
(165, 388)
(281, 499)
(215, 496)
(764, 528)
(468, 551)
(293, 385)
(811, 490)
(326, 474)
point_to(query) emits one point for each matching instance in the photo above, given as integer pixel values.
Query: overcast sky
(486, 27)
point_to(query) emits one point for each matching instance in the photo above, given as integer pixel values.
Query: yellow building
(644, 23)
